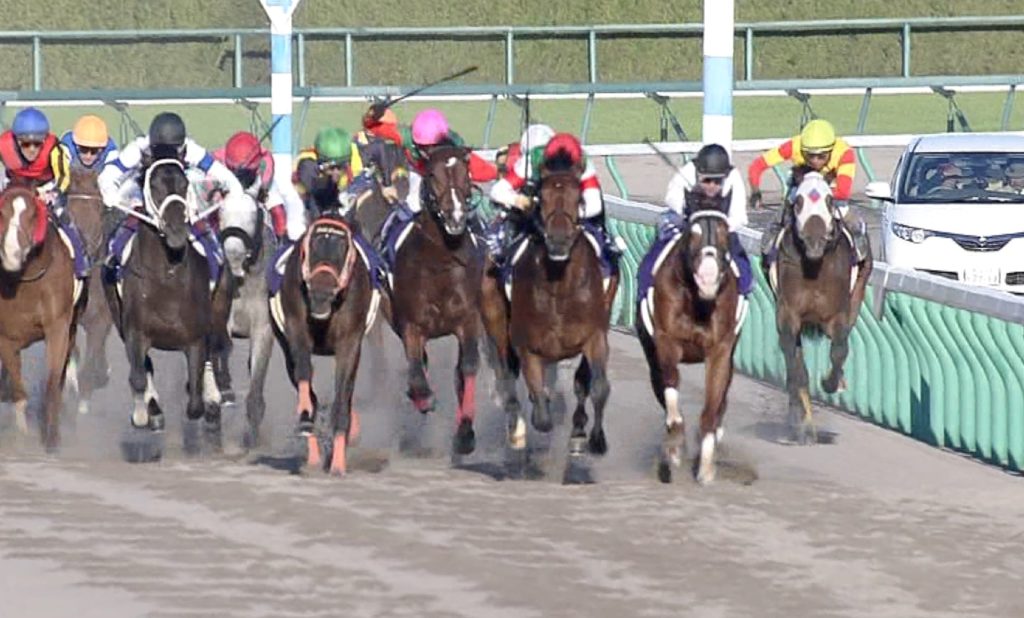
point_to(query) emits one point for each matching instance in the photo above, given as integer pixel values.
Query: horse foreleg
(839, 334)
(581, 388)
(260, 349)
(344, 424)
(415, 353)
(465, 388)
(196, 356)
(139, 379)
(800, 414)
(596, 353)
(718, 371)
(533, 371)
(58, 347)
(663, 357)
(10, 356)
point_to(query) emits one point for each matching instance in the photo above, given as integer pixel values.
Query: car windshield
(986, 177)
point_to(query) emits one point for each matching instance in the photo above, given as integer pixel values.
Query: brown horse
(437, 277)
(37, 302)
(818, 287)
(324, 307)
(691, 315)
(560, 308)
(93, 372)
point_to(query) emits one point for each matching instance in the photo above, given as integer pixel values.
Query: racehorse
(93, 372)
(818, 287)
(37, 302)
(560, 307)
(691, 314)
(438, 272)
(164, 301)
(369, 207)
(247, 257)
(325, 305)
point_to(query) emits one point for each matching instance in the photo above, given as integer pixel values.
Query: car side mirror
(879, 190)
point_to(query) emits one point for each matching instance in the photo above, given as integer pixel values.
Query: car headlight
(910, 234)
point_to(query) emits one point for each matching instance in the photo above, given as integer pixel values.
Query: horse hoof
(141, 447)
(541, 421)
(577, 445)
(830, 385)
(227, 397)
(706, 477)
(304, 428)
(598, 444)
(83, 407)
(577, 472)
(250, 438)
(516, 460)
(157, 422)
(465, 438)
(424, 404)
(339, 464)
(665, 471)
(213, 440)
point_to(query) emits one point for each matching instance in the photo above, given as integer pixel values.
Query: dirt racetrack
(874, 525)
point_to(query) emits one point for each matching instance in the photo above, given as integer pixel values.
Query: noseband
(336, 227)
(156, 211)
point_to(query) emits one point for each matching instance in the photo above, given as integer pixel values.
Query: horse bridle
(431, 202)
(708, 248)
(156, 218)
(558, 211)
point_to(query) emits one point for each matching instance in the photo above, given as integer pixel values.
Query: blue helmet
(30, 122)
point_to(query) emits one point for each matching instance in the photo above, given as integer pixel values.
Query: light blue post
(280, 14)
(719, 25)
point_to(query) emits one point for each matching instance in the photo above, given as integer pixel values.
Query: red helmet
(243, 151)
(567, 144)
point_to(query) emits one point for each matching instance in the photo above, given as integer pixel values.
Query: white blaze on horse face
(13, 253)
(815, 192)
(708, 274)
(672, 415)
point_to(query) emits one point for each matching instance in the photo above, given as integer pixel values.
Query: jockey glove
(755, 201)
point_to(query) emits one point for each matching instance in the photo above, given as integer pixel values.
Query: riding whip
(379, 107)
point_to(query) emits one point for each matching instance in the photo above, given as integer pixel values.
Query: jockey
(816, 149)
(430, 129)
(539, 147)
(711, 173)
(253, 166)
(380, 132)
(29, 152)
(119, 180)
(330, 170)
(89, 144)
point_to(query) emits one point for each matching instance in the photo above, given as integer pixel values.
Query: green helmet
(333, 146)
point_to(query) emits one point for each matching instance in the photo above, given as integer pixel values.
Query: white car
(955, 208)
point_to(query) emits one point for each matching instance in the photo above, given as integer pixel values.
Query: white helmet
(536, 136)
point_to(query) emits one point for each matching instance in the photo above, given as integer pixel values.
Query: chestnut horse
(326, 304)
(438, 272)
(37, 302)
(818, 287)
(560, 307)
(90, 371)
(692, 314)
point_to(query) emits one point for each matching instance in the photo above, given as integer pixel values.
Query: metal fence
(349, 39)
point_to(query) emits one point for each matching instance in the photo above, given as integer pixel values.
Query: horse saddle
(772, 261)
(595, 240)
(120, 246)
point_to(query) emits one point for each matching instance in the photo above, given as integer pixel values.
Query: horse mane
(697, 201)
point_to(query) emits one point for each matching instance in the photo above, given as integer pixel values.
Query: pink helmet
(429, 127)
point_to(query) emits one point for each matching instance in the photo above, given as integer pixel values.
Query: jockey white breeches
(415, 184)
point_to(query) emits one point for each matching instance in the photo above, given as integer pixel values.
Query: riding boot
(278, 262)
(211, 246)
(495, 236)
(859, 230)
(60, 214)
(610, 252)
(739, 257)
(770, 236)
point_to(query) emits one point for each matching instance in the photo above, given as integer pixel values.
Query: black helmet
(167, 129)
(712, 160)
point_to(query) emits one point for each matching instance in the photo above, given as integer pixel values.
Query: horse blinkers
(325, 281)
(815, 233)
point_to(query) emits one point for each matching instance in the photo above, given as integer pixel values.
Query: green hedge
(210, 64)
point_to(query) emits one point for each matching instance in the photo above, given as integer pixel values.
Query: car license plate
(982, 276)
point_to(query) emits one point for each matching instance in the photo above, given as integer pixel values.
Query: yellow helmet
(90, 131)
(817, 136)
